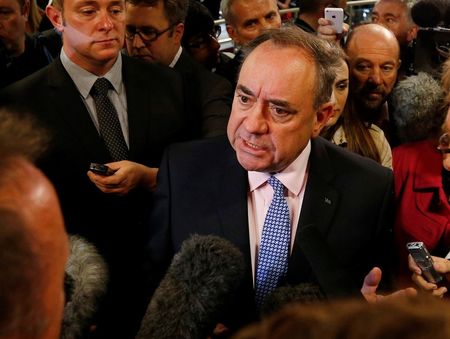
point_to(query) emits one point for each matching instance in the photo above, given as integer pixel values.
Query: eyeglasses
(443, 50)
(201, 40)
(444, 143)
(147, 35)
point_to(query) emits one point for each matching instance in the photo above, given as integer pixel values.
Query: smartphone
(335, 15)
(100, 169)
(423, 259)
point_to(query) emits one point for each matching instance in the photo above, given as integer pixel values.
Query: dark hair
(174, 10)
(325, 56)
(357, 134)
(21, 135)
(198, 20)
(312, 6)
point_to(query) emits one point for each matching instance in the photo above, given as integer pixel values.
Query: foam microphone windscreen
(427, 13)
(86, 283)
(203, 275)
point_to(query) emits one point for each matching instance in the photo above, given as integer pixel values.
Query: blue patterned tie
(275, 242)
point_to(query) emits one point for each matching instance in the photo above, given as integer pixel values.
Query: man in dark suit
(339, 203)
(154, 29)
(147, 105)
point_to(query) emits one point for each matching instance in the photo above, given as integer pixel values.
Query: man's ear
(54, 14)
(322, 115)
(233, 34)
(26, 9)
(178, 32)
(412, 33)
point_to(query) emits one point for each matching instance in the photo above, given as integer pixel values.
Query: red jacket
(422, 208)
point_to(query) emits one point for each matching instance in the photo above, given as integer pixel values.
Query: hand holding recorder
(429, 273)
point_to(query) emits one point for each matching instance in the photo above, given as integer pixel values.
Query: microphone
(86, 278)
(203, 275)
(304, 293)
(427, 13)
(417, 107)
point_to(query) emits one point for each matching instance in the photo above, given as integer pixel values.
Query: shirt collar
(292, 177)
(176, 57)
(84, 80)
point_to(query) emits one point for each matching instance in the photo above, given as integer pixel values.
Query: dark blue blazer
(344, 228)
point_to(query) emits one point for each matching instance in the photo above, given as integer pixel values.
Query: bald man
(374, 59)
(33, 241)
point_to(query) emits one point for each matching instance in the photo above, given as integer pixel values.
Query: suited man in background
(154, 29)
(338, 215)
(146, 109)
(245, 20)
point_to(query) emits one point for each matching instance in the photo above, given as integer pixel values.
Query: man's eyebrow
(245, 90)
(280, 103)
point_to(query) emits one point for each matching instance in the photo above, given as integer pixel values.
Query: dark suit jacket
(344, 228)
(114, 224)
(209, 97)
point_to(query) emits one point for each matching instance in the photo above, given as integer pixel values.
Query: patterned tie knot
(100, 87)
(278, 187)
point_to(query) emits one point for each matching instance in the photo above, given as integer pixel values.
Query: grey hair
(326, 56)
(418, 107)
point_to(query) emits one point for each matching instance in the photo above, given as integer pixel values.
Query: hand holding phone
(336, 16)
(100, 169)
(423, 259)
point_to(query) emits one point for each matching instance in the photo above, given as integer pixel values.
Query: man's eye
(117, 10)
(363, 67)
(250, 24)
(279, 111)
(243, 98)
(387, 68)
(391, 20)
(270, 16)
(87, 11)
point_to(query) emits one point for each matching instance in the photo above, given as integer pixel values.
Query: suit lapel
(230, 201)
(231, 197)
(310, 256)
(321, 199)
(135, 104)
(71, 110)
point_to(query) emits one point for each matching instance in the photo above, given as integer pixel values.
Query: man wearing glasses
(104, 107)
(153, 33)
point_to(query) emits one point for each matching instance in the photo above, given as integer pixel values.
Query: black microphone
(303, 293)
(201, 279)
(428, 13)
(86, 279)
(417, 107)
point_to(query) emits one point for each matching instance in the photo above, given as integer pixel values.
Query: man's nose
(137, 41)
(375, 75)
(255, 121)
(106, 21)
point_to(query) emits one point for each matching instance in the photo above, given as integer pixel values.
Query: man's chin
(374, 105)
